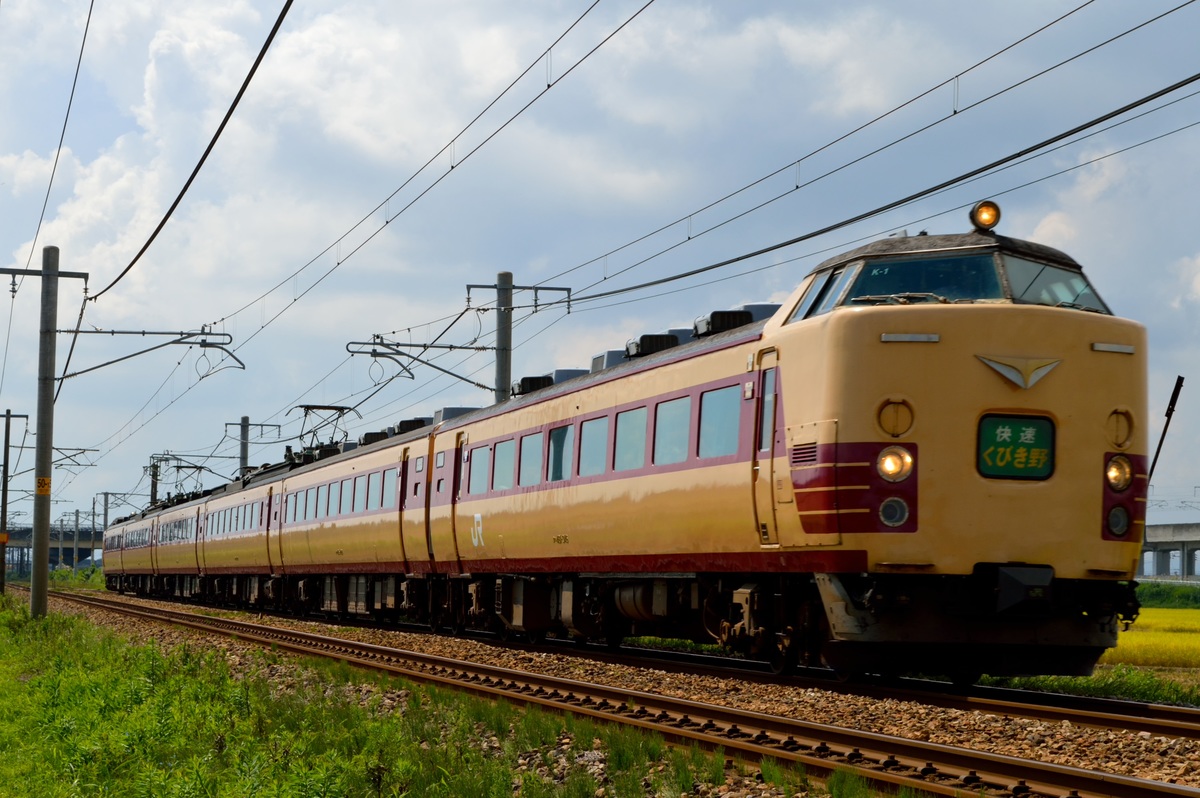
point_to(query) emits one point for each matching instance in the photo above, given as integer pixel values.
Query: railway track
(1160, 720)
(887, 762)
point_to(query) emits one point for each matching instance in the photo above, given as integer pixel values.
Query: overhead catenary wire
(478, 116)
(207, 151)
(458, 163)
(871, 236)
(340, 261)
(958, 112)
(87, 25)
(582, 298)
(433, 159)
(837, 140)
(928, 192)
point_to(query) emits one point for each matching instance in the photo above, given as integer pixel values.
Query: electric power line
(211, 144)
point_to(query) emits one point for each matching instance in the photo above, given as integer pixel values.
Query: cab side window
(824, 293)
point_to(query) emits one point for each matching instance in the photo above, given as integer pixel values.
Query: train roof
(918, 244)
(308, 460)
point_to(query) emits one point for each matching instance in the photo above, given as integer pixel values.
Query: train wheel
(783, 657)
(615, 634)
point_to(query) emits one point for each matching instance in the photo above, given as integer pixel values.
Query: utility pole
(153, 482)
(244, 438)
(504, 307)
(502, 388)
(244, 447)
(75, 556)
(39, 581)
(43, 461)
(8, 417)
(504, 292)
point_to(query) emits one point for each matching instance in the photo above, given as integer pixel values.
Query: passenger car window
(335, 495)
(481, 459)
(562, 446)
(347, 495)
(719, 418)
(322, 501)
(631, 440)
(593, 446)
(504, 459)
(389, 487)
(360, 493)
(374, 491)
(530, 472)
(672, 424)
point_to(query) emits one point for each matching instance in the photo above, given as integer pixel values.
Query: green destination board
(1016, 447)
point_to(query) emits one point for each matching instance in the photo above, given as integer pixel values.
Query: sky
(387, 154)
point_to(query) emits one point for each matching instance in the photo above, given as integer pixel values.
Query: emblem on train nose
(1024, 372)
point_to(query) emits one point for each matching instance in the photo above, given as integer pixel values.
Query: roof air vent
(372, 437)
(530, 384)
(447, 413)
(760, 310)
(606, 360)
(721, 320)
(410, 424)
(649, 344)
(562, 375)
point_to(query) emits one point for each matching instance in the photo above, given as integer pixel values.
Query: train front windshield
(971, 278)
(1041, 284)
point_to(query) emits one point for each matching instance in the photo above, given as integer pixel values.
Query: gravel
(1127, 753)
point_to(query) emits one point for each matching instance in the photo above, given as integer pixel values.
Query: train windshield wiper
(1077, 306)
(901, 299)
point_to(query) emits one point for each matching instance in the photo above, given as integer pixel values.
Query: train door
(270, 530)
(401, 504)
(275, 519)
(770, 488)
(196, 535)
(456, 468)
(153, 547)
(427, 478)
(202, 540)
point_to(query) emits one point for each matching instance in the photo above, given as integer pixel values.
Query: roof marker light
(985, 215)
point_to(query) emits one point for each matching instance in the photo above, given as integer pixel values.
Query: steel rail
(1160, 720)
(883, 760)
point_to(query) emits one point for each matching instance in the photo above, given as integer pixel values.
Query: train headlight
(894, 464)
(893, 511)
(1119, 473)
(985, 215)
(1118, 521)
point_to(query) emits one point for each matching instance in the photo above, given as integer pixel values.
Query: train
(930, 458)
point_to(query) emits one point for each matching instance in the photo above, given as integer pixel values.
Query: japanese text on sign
(1016, 447)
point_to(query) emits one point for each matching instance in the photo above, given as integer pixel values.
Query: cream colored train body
(930, 458)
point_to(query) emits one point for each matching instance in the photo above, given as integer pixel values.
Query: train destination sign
(1016, 447)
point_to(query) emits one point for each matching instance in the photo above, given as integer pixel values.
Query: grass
(86, 714)
(1168, 596)
(1155, 661)
(1160, 638)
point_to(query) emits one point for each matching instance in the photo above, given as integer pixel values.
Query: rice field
(1161, 638)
